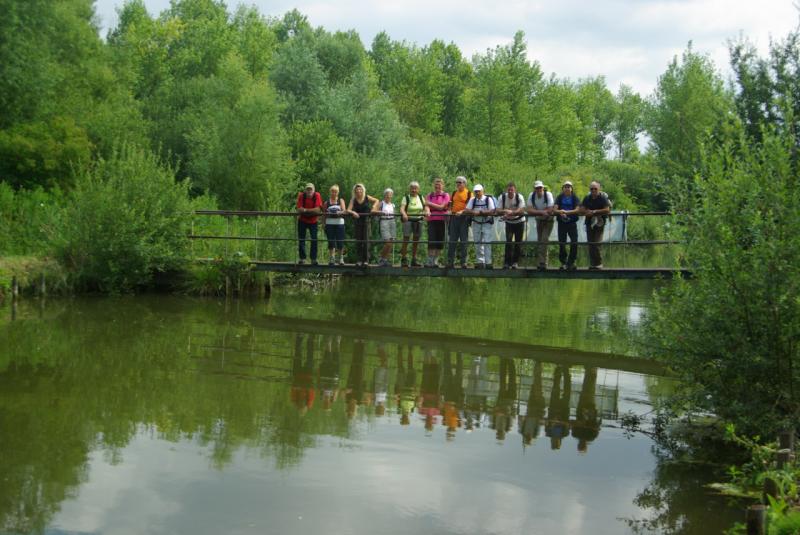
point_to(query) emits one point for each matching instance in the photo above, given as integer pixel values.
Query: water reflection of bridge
(439, 384)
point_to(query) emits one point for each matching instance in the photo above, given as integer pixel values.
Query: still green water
(358, 407)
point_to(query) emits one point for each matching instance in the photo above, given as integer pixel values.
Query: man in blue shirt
(568, 208)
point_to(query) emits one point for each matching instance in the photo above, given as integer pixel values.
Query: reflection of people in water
(380, 381)
(586, 425)
(405, 387)
(557, 424)
(329, 371)
(302, 390)
(453, 387)
(530, 423)
(355, 379)
(506, 397)
(429, 390)
(477, 390)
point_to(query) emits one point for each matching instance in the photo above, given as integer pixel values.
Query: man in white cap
(541, 205)
(481, 207)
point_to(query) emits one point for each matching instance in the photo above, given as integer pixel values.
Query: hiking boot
(572, 267)
(414, 263)
(314, 263)
(506, 266)
(301, 261)
(331, 261)
(596, 268)
(341, 261)
(479, 265)
(563, 267)
(543, 267)
(514, 266)
(450, 265)
(464, 265)
(489, 266)
(404, 262)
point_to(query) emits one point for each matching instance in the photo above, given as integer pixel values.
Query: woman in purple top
(437, 202)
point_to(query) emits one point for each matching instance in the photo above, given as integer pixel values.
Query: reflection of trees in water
(677, 502)
(88, 381)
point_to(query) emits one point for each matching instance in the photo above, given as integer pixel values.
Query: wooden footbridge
(221, 234)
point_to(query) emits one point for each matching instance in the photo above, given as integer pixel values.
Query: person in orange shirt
(458, 223)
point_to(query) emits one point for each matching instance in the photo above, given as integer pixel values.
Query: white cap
(477, 187)
(538, 184)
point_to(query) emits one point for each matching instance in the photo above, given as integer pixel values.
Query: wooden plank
(522, 273)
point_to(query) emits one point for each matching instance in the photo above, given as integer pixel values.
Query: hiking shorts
(412, 227)
(388, 229)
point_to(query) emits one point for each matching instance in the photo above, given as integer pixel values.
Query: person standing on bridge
(595, 209)
(541, 205)
(438, 201)
(481, 207)
(334, 225)
(309, 206)
(384, 210)
(412, 209)
(360, 207)
(511, 205)
(567, 206)
(459, 224)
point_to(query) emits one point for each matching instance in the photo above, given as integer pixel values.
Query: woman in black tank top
(360, 207)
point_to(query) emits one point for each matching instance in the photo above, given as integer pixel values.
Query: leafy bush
(125, 220)
(731, 333)
(26, 219)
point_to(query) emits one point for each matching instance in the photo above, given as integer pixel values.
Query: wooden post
(756, 520)
(770, 489)
(227, 285)
(783, 458)
(14, 289)
(786, 440)
(42, 286)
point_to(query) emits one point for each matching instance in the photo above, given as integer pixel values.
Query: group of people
(450, 216)
(444, 389)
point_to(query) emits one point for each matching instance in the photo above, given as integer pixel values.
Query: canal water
(352, 407)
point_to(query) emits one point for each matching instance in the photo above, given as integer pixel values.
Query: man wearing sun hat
(481, 207)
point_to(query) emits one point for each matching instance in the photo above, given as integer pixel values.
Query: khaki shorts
(388, 229)
(412, 227)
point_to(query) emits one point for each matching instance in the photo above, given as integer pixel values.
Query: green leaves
(126, 219)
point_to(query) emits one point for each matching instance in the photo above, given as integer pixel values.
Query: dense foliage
(731, 334)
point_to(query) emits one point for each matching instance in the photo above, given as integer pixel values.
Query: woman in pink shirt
(438, 201)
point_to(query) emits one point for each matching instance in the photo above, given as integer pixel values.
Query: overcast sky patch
(627, 41)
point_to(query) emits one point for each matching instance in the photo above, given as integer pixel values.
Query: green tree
(125, 220)
(628, 122)
(297, 74)
(730, 333)
(688, 106)
(767, 90)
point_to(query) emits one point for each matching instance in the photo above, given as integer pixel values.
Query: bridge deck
(521, 273)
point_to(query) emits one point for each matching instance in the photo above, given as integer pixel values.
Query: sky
(627, 41)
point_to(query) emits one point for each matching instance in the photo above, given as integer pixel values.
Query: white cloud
(628, 41)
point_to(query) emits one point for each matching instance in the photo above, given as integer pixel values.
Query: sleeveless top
(387, 209)
(333, 212)
(361, 207)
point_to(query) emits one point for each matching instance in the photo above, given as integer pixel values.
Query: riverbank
(31, 275)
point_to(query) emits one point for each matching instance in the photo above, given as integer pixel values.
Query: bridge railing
(272, 236)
